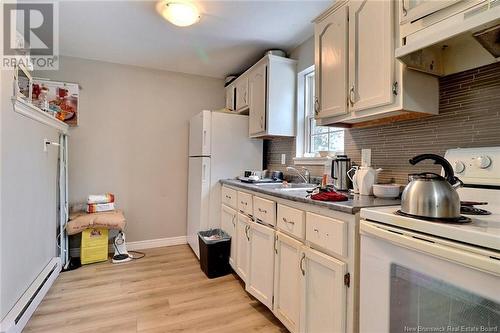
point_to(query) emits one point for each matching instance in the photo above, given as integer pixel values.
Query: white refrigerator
(219, 148)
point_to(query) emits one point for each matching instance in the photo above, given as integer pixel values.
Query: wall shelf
(31, 111)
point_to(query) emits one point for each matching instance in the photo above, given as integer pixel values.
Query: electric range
(434, 276)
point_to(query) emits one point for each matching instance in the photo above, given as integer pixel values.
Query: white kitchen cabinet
(257, 86)
(228, 224)
(287, 281)
(230, 97)
(241, 86)
(371, 59)
(271, 85)
(323, 299)
(242, 246)
(375, 84)
(331, 58)
(260, 281)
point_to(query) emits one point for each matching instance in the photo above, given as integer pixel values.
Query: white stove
(433, 276)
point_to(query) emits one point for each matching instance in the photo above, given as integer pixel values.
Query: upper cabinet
(267, 93)
(358, 77)
(230, 97)
(242, 93)
(331, 63)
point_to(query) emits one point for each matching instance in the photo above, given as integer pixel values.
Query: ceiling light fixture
(180, 13)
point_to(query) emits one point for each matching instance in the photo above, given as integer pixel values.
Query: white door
(228, 224)
(261, 273)
(199, 134)
(371, 54)
(423, 282)
(257, 89)
(242, 246)
(323, 301)
(241, 93)
(330, 40)
(198, 199)
(287, 281)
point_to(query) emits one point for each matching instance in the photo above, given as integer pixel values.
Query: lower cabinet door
(261, 274)
(323, 299)
(287, 281)
(228, 224)
(242, 246)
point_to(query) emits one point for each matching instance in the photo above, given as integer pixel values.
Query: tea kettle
(430, 195)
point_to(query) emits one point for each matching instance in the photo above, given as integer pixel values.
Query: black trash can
(215, 246)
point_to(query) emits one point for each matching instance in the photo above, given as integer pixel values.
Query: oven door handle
(487, 262)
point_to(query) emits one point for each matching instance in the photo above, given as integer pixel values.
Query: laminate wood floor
(164, 292)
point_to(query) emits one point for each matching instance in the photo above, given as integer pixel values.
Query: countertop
(351, 206)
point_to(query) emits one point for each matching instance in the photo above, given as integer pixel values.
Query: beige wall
(304, 54)
(132, 140)
(28, 198)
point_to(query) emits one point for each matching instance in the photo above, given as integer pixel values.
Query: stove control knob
(459, 167)
(482, 162)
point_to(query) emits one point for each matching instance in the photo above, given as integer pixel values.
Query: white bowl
(326, 153)
(387, 190)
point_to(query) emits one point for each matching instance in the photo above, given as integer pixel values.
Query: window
(318, 137)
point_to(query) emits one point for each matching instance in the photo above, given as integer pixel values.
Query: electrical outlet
(283, 159)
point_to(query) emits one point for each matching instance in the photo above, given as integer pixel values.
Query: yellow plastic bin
(94, 245)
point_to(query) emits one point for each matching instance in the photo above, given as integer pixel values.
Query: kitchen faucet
(306, 176)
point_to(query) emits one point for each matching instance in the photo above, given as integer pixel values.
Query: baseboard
(22, 311)
(153, 243)
(142, 245)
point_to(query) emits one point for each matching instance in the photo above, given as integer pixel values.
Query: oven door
(412, 283)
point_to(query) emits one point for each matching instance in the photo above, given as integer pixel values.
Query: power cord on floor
(142, 255)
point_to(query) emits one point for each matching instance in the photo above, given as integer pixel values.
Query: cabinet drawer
(229, 197)
(245, 203)
(291, 221)
(327, 233)
(264, 210)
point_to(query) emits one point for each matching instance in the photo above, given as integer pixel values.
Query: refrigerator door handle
(204, 140)
(204, 172)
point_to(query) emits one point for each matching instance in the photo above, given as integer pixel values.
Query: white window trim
(301, 140)
(302, 157)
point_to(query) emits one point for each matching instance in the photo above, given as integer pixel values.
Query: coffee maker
(341, 164)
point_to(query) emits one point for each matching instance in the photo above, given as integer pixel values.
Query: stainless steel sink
(288, 186)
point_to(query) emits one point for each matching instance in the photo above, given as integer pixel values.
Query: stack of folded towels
(100, 203)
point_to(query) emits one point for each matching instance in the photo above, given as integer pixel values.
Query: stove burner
(460, 220)
(469, 210)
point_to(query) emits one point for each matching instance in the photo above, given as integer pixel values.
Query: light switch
(283, 159)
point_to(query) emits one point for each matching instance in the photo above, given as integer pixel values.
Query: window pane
(337, 141)
(319, 142)
(317, 129)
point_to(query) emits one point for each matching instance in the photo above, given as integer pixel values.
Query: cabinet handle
(351, 95)
(228, 197)
(405, 12)
(233, 221)
(301, 261)
(316, 230)
(395, 88)
(244, 203)
(275, 244)
(262, 210)
(286, 221)
(246, 232)
(316, 106)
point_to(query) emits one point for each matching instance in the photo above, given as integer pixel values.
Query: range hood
(463, 41)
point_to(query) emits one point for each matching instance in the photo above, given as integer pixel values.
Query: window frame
(305, 116)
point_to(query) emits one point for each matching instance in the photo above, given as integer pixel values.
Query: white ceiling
(230, 36)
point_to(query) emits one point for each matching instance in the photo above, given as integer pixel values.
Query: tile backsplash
(469, 116)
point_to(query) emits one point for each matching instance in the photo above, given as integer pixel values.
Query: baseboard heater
(22, 311)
